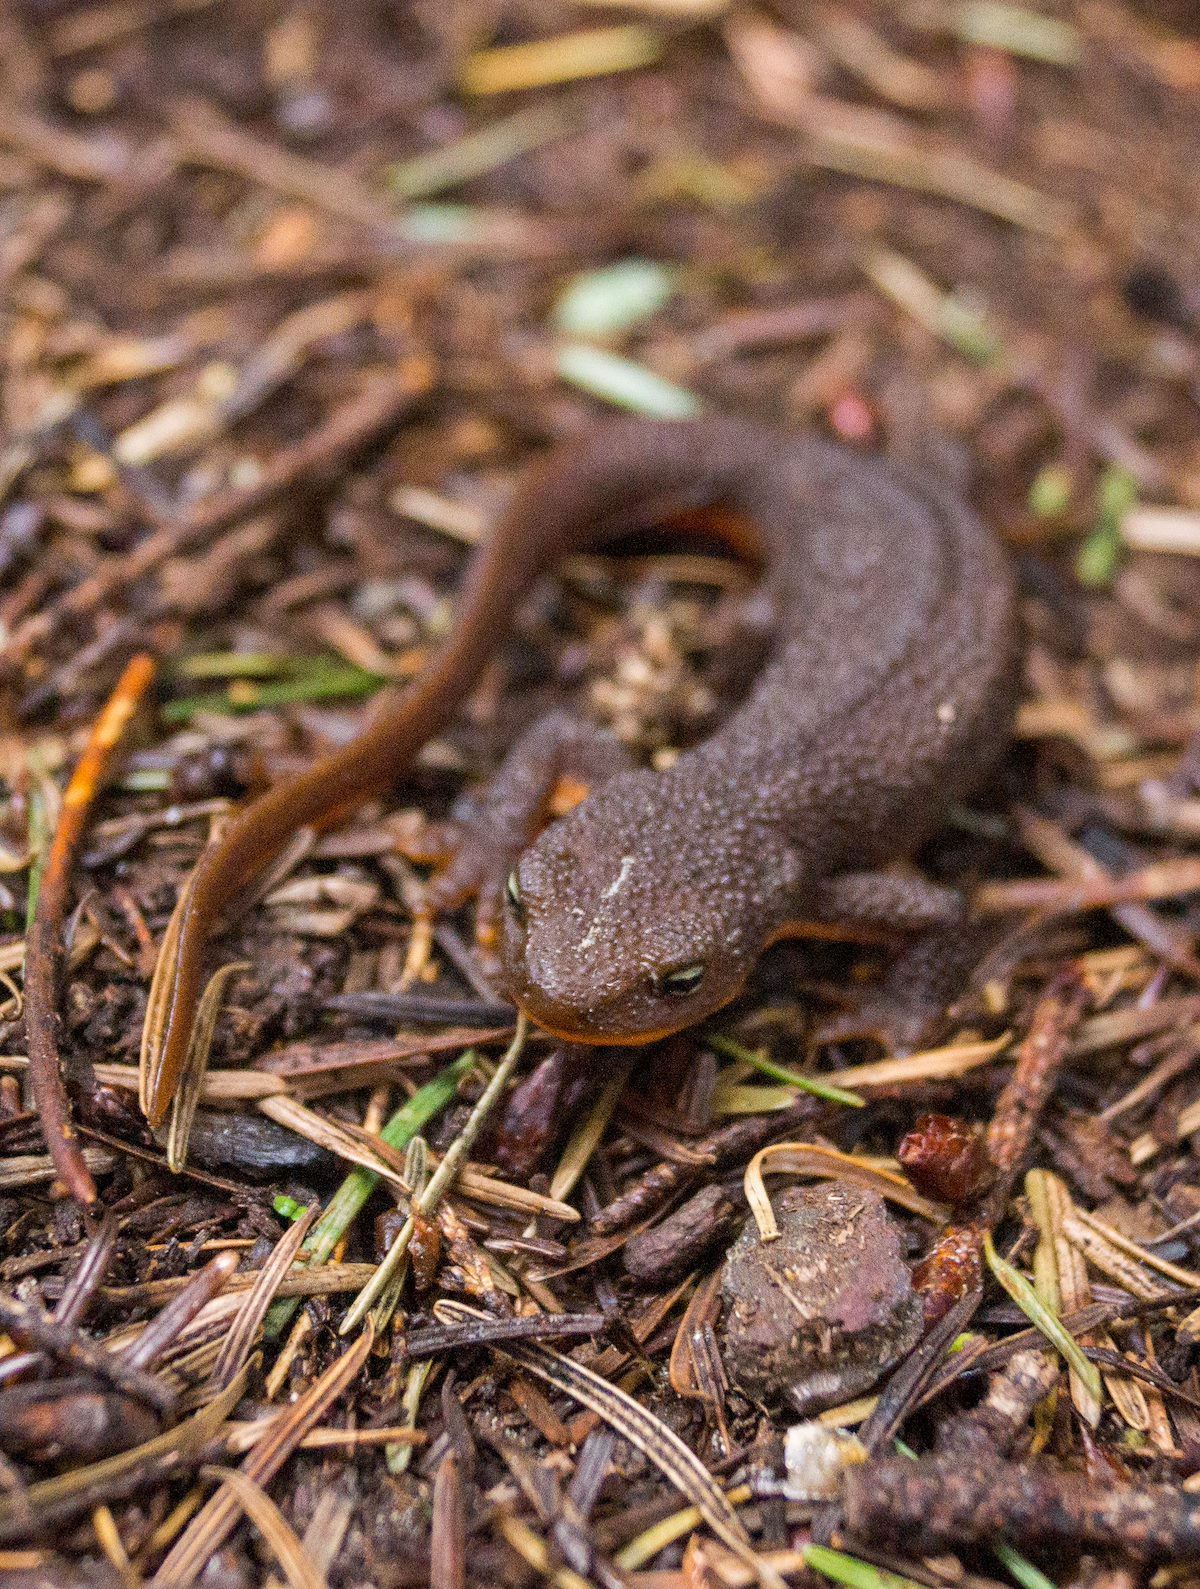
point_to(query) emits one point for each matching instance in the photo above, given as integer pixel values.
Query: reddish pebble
(945, 1158)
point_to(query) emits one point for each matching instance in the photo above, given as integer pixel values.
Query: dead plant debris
(291, 293)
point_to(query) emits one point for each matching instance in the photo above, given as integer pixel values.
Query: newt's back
(888, 694)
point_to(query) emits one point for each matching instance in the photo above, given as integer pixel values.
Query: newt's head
(636, 914)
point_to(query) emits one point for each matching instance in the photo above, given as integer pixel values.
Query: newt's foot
(906, 1009)
(480, 859)
(890, 903)
(897, 1024)
(552, 766)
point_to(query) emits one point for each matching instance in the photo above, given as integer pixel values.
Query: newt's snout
(596, 945)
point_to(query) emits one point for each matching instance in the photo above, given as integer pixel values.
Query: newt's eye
(679, 983)
(512, 893)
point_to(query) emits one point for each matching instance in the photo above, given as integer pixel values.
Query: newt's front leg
(555, 763)
(887, 902)
(938, 948)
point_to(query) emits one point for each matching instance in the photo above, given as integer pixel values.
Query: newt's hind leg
(903, 1009)
(888, 903)
(555, 763)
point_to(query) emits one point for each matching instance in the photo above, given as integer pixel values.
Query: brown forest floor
(284, 311)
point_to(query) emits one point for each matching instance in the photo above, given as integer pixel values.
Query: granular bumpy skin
(820, 1314)
(888, 695)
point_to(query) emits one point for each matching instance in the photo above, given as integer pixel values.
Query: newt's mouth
(601, 1027)
(604, 1029)
(593, 1038)
(632, 1017)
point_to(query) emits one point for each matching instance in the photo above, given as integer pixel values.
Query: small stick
(165, 1328)
(1039, 1060)
(44, 952)
(30, 1327)
(77, 1295)
(1160, 880)
(728, 1145)
(424, 1204)
(1061, 854)
(934, 1504)
(448, 1544)
(994, 1425)
(219, 1516)
(206, 138)
(953, 1265)
(318, 455)
(68, 154)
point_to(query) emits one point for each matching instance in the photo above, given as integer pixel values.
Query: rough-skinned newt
(888, 694)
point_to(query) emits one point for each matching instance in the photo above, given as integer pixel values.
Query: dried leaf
(243, 1332)
(212, 1525)
(1027, 1299)
(585, 1138)
(801, 1158)
(934, 1064)
(641, 1428)
(275, 1529)
(158, 1001)
(1060, 1274)
(195, 1065)
(623, 383)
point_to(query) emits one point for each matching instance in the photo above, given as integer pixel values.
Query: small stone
(815, 1458)
(820, 1314)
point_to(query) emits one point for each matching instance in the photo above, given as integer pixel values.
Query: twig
(92, 27)
(438, 1338)
(315, 457)
(448, 1564)
(164, 1329)
(721, 1149)
(1063, 855)
(29, 1326)
(273, 1526)
(1039, 1060)
(991, 1429)
(77, 1295)
(954, 1264)
(439, 1181)
(70, 154)
(45, 950)
(206, 138)
(216, 1520)
(1160, 880)
(924, 1506)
